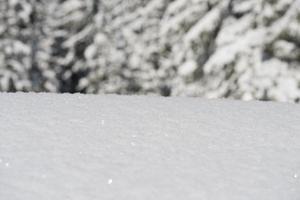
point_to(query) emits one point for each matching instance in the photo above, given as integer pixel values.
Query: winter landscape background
(241, 49)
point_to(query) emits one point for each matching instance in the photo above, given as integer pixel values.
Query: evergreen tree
(71, 30)
(241, 49)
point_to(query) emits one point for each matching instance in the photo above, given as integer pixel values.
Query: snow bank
(118, 147)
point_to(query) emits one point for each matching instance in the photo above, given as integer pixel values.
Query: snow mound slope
(84, 147)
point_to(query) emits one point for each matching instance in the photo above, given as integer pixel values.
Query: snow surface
(127, 147)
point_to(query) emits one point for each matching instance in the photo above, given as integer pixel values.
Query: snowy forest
(239, 49)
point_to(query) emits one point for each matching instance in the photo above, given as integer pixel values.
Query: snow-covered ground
(120, 147)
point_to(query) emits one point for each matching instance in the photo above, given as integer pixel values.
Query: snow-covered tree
(71, 30)
(124, 55)
(16, 20)
(240, 49)
(197, 48)
(22, 28)
(257, 52)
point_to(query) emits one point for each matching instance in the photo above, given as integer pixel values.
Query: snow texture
(127, 147)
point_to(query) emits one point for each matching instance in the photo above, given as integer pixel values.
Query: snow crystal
(109, 181)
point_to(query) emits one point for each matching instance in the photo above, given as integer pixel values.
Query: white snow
(109, 181)
(55, 147)
(187, 68)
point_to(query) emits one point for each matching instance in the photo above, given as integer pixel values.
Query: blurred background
(238, 49)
